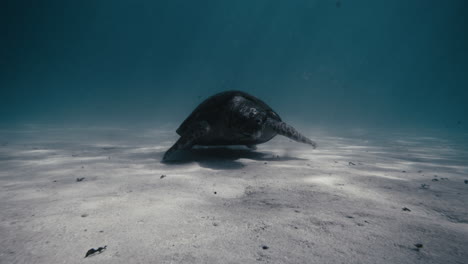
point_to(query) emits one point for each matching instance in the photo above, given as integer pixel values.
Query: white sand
(306, 206)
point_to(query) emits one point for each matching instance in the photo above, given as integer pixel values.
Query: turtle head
(249, 120)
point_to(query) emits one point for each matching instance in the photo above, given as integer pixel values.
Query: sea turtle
(232, 118)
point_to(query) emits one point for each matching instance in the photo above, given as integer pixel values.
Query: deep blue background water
(364, 63)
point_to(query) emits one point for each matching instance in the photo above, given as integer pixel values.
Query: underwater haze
(360, 63)
(367, 164)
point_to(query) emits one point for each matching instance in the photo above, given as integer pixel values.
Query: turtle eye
(259, 121)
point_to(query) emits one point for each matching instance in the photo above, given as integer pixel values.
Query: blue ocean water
(92, 92)
(361, 63)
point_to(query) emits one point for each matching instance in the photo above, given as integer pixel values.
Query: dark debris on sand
(406, 209)
(80, 179)
(418, 246)
(424, 186)
(94, 251)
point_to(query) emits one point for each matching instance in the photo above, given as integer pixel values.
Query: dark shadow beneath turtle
(231, 118)
(223, 157)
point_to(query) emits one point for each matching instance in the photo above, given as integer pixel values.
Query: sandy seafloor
(283, 203)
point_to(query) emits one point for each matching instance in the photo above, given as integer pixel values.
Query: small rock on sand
(424, 186)
(418, 246)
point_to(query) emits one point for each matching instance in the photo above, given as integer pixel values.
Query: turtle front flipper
(288, 131)
(187, 140)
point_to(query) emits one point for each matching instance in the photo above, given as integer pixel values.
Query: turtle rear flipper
(187, 140)
(289, 131)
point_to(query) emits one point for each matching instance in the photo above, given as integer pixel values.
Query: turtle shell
(216, 102)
